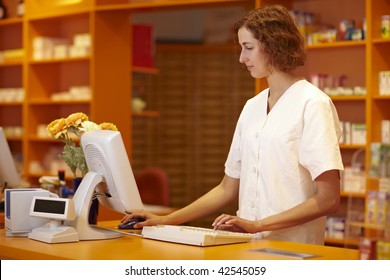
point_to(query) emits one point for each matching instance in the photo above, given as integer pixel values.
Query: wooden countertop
(137, 248)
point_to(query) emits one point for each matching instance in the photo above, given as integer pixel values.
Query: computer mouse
(130, 223)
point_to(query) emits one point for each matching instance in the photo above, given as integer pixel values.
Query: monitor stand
(82, 203)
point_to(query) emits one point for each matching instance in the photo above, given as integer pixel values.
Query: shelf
(62, 60)
(36, 138)
(198, 47)
(146, 114)
(43, 139)
(46, 101)
(368, 226)
(381, 41)
(352, 146)
(38, 175)
(348, 97)
(14, 138)
(381, 97)
(351, 194)
(145, 70)
(11, 63)
(11, 104)
(11, 21)
(337, 241)
(338, 44)
(145, 4)
(53, 10)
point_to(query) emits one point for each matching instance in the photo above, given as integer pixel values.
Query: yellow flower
(57, 127)
(88, 126)
(108, 126)
(76, 119)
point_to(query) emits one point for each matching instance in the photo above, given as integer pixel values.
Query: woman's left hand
(234, 223)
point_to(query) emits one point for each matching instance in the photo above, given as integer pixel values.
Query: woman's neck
(278, 83)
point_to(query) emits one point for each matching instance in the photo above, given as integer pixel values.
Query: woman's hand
(149, 219)
(234, 223)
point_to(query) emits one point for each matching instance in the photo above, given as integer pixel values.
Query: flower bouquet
(69, 131)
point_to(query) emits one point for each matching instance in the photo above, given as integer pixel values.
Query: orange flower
(108, 126)
(57, 127)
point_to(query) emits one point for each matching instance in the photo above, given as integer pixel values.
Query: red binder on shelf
(143, 45)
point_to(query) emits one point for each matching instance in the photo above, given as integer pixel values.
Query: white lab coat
(278, 155)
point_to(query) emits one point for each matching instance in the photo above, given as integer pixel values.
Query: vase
(94, 209)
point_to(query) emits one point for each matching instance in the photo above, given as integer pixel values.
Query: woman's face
(252, 54)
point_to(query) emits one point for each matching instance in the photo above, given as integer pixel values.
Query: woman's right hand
(149, 219)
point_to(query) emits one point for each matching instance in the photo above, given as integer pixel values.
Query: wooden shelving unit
(11, 76)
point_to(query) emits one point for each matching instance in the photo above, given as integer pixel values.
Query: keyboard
(194, 235)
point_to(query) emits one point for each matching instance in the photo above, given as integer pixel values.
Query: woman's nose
(242, 58)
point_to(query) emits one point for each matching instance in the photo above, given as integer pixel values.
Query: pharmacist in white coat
(284, 161)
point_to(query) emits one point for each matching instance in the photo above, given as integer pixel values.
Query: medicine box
(383, 250)
(384, 83)
(385, 130)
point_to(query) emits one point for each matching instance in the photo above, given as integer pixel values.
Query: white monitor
(9, 176)
(110, 178)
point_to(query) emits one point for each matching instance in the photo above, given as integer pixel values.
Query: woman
(284, 160)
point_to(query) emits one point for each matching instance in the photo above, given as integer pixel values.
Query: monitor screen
(49, 206)
(52, 208)
(110, 179)
(9, 176)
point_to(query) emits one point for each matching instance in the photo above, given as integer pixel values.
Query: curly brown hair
(276, 29)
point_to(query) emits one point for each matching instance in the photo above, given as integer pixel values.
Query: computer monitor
(110, 178)
(9, 176)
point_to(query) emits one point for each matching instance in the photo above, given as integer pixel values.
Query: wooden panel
(11, 36)
(11, 76)
(111, 73)
(11, 115)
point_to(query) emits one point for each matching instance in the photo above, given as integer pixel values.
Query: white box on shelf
(347, 132)
(82, 40)
(61, 51)
(44, 47)
(353, 180)
(384, 83)
(385, 129)
(358, 133)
